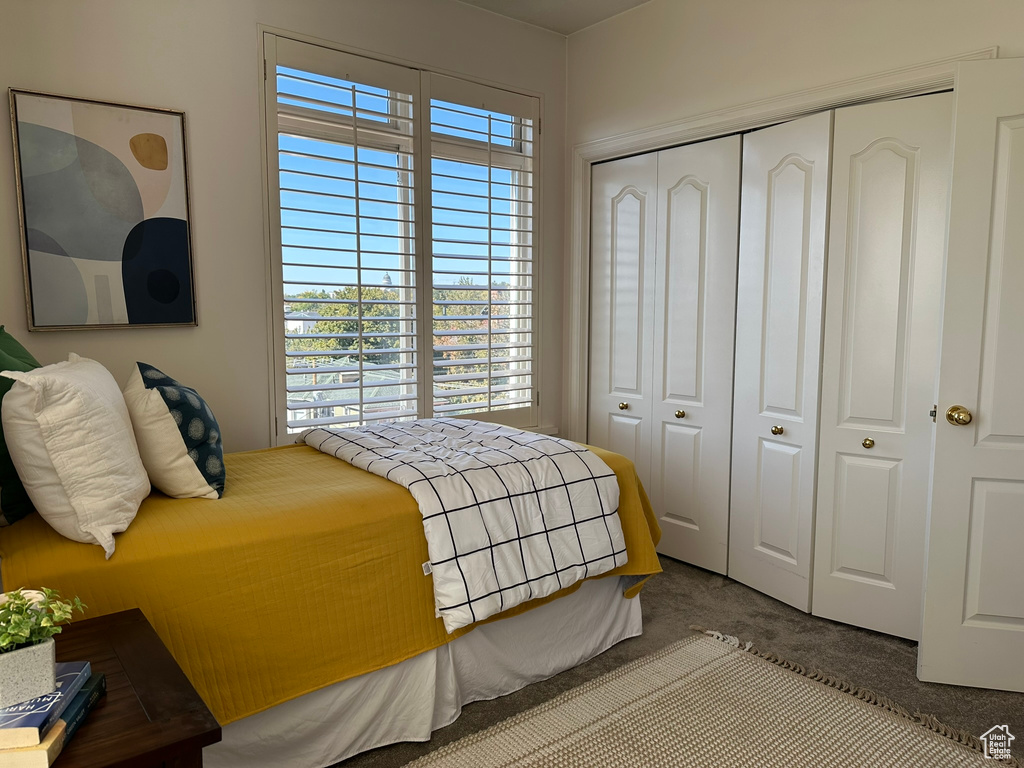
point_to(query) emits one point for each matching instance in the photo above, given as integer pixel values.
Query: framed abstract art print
(103, 194)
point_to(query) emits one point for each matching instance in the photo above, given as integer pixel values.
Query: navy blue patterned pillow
(178, 435)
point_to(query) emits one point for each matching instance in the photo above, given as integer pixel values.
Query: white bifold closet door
(778, 344)
(890, 181)
(663, 293)
(623, 224)
(694, 309)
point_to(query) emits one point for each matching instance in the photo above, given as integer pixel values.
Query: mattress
(304, 558)
(407, 701)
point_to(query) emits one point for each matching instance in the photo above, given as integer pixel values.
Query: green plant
(30, 616)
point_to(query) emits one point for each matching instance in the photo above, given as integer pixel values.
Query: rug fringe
(728, 639)
(929, 722)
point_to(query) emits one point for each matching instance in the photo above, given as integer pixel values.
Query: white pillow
(71, 441)
(178, 436)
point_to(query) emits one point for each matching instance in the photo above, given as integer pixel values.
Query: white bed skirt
(409, 700)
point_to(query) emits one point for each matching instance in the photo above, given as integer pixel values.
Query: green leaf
(33, 617)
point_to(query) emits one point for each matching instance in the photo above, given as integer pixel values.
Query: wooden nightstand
(151, 717)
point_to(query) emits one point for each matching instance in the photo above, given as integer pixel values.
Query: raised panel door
(695, 299)
(778, 339)
(973, 621)
(890, 180)
(623, 219)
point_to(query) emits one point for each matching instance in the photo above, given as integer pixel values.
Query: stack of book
(34, 732)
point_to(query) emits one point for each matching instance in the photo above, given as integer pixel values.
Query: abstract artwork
(104, 213)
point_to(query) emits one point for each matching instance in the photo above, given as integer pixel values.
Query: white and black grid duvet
(508, 515)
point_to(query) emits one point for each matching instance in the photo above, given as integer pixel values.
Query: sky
(319, 177)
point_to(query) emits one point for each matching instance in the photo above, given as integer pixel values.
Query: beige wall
(201, 56)
(671, 59)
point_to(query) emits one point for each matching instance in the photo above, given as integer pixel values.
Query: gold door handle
(623, 406)
(777, 429)
(680, 414)
(868, 442)
(958, 416)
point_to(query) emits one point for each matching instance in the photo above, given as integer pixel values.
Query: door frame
(916, 80)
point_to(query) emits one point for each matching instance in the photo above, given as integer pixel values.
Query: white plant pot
(27, 673)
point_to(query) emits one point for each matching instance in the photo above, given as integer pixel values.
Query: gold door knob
(778, 430)
(680, 414)
(623, 406)
(868, 442)
(958, 416)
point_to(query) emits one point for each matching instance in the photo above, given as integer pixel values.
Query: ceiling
(562, 16)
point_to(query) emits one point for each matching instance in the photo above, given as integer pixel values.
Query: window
(482, 257)
(403, 230)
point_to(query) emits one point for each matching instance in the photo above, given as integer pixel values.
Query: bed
(288, 595)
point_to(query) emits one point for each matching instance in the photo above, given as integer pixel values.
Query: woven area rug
(706, 701)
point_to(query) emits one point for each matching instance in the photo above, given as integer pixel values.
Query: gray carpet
(684, 595)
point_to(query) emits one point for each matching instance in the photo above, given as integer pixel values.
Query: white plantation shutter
(482, 193)
(348, 145)
(345, 158)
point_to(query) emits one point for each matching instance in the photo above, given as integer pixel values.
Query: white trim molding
(916, 80)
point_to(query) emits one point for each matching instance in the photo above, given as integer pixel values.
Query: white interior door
(698, 208)
(778, 347)
(622, 242)
(890, 182)
(973, 625)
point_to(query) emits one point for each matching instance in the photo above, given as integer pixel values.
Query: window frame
(455, 87)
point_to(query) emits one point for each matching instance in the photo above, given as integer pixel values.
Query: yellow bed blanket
(307, 572)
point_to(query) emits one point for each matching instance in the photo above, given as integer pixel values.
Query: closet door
(890, 180)
(622, 243)
(778, 343)
(698, 209)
